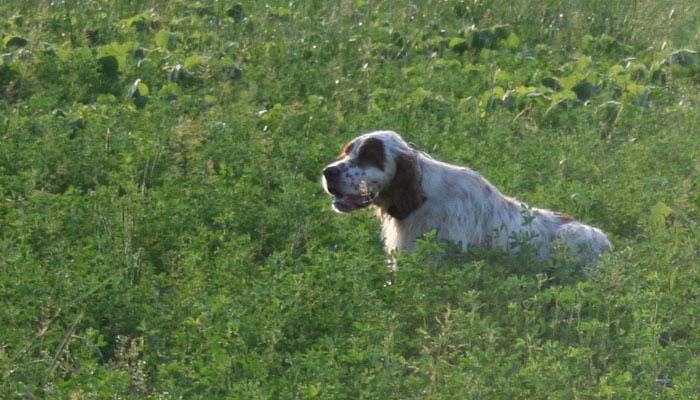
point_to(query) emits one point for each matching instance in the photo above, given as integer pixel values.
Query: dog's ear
(404, 194)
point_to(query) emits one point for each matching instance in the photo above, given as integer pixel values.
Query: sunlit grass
(163, 233)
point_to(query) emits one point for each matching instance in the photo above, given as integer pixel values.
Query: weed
(163, 233)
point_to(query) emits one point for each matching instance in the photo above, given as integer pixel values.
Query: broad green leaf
(457, 44)
(512, 41)
(120, 51)
(658, 214)
(165, 39)
(193, 62)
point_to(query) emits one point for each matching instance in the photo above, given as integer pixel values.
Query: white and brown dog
(414, 194)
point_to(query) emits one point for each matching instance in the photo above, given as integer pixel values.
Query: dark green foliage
(16, 41)
(236, 12)
(163, 233)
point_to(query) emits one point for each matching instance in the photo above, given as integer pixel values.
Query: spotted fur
(413, 194)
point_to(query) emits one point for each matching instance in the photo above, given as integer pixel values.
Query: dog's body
(414, 194)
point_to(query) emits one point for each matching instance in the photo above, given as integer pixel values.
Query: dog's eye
(372, 153)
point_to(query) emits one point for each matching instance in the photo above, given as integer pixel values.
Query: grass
(163, 233)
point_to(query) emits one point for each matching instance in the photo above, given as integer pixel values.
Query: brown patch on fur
(564, 216)
(404, 194)
(346, 149)
(372, 153)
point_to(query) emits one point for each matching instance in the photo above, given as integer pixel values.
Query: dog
(413, 194)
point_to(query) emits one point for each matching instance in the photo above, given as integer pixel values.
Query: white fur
(461, 206)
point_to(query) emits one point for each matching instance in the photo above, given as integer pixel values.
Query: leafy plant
(163, 233)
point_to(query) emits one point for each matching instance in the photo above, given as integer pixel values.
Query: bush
(164, 233)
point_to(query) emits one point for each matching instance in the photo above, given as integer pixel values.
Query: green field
(163, 232)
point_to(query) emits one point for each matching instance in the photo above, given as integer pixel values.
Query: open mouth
(350, 202)
(347, 202)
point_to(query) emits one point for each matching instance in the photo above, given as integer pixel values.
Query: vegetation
(163, 233)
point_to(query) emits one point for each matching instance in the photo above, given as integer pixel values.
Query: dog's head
(377, 168)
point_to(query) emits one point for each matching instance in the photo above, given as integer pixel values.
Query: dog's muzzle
(343, 202)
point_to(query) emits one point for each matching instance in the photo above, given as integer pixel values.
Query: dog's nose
(331, 173)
